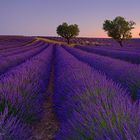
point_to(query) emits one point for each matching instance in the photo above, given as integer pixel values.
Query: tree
(68, 31)
(119, 29)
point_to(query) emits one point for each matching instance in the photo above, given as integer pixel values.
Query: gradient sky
(41, 17)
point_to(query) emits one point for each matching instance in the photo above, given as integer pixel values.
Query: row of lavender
(89, 105)
(18, 48)
(21, 49)
(130, 56)
(12, 59)
(124, 73)
(22, 90)
(7, 42)
(128, 49)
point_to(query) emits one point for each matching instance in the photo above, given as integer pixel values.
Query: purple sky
(41, 17)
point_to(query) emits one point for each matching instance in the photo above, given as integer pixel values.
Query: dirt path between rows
(47, 127)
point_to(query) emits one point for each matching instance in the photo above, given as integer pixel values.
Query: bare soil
(47, 127)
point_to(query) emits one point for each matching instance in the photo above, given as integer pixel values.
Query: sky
(41, 17)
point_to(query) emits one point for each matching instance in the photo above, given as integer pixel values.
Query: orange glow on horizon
(135, 32)
(102, 34)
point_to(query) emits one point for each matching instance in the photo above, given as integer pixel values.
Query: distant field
(84, 91)
(108, 42)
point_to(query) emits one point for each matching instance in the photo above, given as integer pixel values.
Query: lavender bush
(20, 50)
(14, 60)
(128, 75)
(12, 129)
(132, 57)
(90, 106)
(24, 85)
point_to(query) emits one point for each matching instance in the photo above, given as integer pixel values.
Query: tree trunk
(68, 40)
(120, 42)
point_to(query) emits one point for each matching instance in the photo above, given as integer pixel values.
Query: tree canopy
(68, 31)
(119, 29)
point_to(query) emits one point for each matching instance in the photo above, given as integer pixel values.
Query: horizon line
(60, 36)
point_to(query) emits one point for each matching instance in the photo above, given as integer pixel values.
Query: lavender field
(53, 91)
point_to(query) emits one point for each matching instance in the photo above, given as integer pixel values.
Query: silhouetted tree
(68, 31)
(119, 29)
